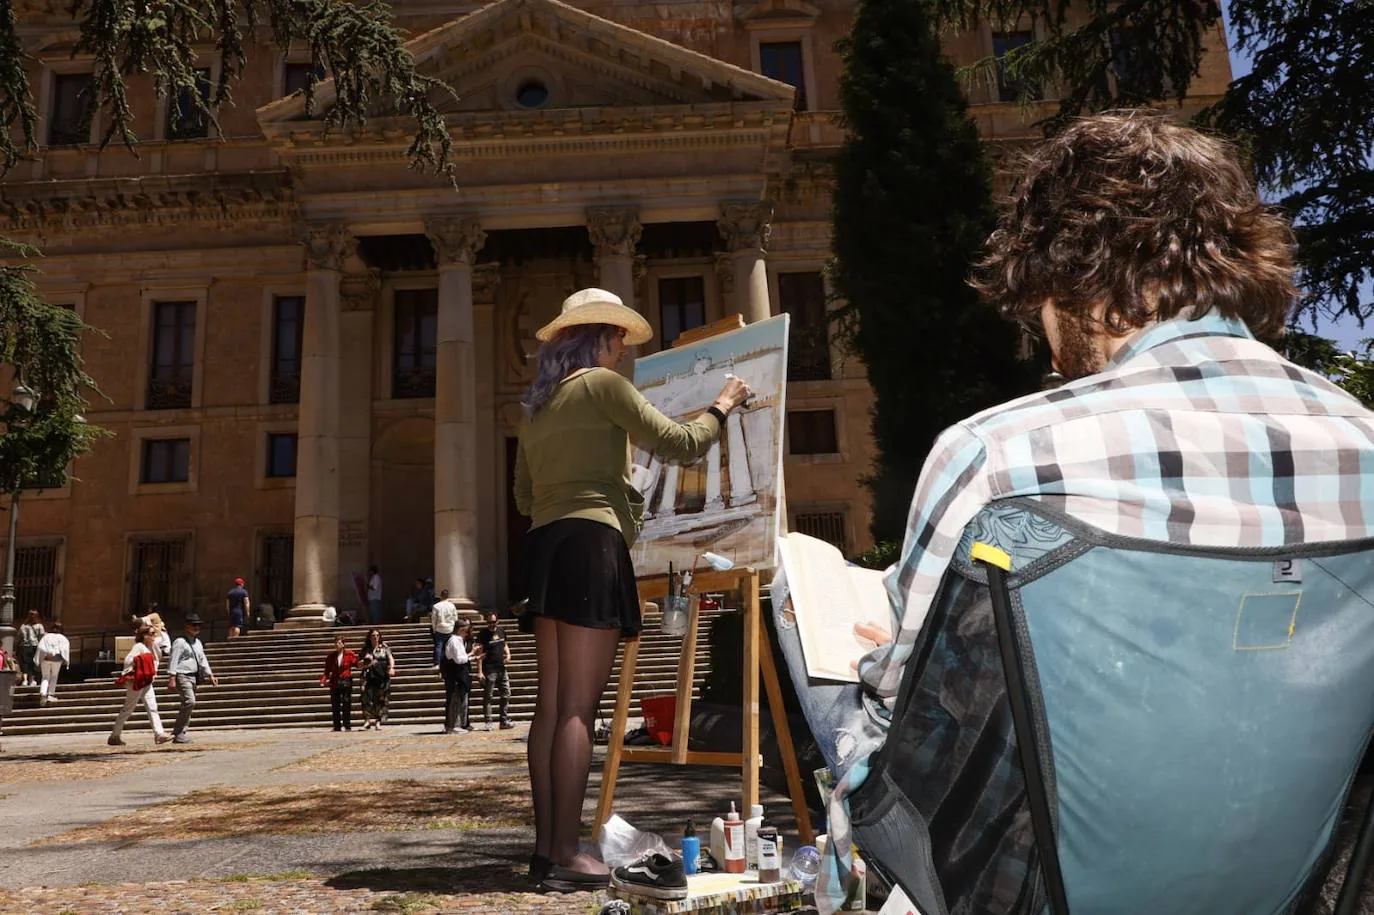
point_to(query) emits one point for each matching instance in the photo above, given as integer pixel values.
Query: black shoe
(654, 876)
(539, 868)
(338, 729)
(506, 725)
(566, 880)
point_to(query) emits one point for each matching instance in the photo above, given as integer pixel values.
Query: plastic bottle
(691, 849)
(806, 867)
(770, 855)
(751, 837)
(734, 842)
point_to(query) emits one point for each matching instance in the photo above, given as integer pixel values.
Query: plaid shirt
(1194, 433)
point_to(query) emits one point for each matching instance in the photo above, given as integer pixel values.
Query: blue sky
(1346, 331)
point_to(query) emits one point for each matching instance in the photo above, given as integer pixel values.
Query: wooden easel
(758, 657)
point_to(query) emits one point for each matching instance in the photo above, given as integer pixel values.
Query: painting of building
(728, 501)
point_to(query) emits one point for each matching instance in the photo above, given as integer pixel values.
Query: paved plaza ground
(399, 820)
(403, 820)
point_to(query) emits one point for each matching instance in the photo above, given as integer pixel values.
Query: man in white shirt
(187, 666)
(54, 650)
(442, 619)
(374, 595)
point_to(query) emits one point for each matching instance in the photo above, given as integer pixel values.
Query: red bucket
(659, 713)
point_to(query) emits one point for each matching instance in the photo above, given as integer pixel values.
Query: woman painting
(378, 665)
(572, 478)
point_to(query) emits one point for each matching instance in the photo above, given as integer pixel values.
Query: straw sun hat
(597, 306)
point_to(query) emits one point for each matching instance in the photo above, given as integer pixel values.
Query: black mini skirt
(579, 571)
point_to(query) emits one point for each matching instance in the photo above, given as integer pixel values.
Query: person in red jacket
(338, 676)
(140, 670)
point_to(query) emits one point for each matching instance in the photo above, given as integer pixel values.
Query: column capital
(614, 230)
(725, 271)
(456, 240)
(745, 225)
(328, 246)
(358, 291)
(485, 280)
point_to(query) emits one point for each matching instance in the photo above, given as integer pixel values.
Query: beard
(1078, 354)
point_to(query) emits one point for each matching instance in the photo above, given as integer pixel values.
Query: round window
(532, 93)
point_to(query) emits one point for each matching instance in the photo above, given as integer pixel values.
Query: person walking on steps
(238, 604)
(442, 619)
(338, 676)
(456, 669)
(492, 671)
(54, 651)
(572, 478)
(140, 671)
(374, 595)
(30, 634)
(378, 664)
(188, 668)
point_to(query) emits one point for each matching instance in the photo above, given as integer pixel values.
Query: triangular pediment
(522, 55)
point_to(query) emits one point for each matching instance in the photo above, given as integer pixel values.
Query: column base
(305, 616)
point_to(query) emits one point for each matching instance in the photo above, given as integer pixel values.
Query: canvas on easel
(729, 501)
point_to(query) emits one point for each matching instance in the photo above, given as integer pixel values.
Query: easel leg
(616, 745)
(686, 673)
(783, 731)
(750, 750)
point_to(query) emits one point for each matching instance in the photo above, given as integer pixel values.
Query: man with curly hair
(1141, 250)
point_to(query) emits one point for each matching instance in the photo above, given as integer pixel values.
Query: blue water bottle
(691, 849)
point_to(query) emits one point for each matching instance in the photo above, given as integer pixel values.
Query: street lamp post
(22, 401)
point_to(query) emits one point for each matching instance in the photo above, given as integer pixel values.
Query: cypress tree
(912, 209)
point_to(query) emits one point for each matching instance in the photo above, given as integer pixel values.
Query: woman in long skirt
(378, 665)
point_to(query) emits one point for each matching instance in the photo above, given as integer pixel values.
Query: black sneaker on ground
(561, 879)
(654, 876)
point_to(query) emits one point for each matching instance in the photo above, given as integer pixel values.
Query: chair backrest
(1200, 715)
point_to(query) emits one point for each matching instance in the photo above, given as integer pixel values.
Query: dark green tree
(912, 210)
(354, 44)
(1304, 115)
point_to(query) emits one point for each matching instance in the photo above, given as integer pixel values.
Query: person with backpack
(140, 670)
(188, 668)
(54, 651)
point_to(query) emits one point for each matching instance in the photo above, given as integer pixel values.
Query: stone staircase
(271, 680)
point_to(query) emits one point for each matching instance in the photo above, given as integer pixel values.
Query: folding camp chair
(1117, 726)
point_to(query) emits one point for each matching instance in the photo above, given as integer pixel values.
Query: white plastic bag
(622, 844)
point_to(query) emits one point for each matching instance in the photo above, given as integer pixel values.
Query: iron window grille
(160, 572)
(827, 526)
(812, 432)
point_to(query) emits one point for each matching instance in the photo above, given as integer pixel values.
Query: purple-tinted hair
(572, 348)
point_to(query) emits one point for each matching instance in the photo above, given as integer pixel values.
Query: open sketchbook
(828, 598)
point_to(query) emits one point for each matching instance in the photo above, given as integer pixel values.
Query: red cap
(238, 581)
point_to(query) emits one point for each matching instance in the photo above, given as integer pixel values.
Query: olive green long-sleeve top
(574, 457)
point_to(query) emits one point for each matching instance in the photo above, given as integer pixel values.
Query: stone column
(456, 243)
(358, 293)
(741, 480)
(615, 234)
(667, 506)
(316, 564)
(486, 279)
(745, 228)
(714, 502)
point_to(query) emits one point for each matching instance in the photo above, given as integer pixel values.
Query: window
(532, 93)
(35, 580)
(296, 76)
(73, 105)
(281, 454)
(812, 432)
(802, 295)
(159, 573)
(186, 119)
(173, 359)
(827, 526)
(288, 319)
(165, 460)
(782, 60)
(681, 306)
(276, 554)
(416, 343)
(1008, 89)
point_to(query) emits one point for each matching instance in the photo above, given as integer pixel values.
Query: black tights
(574, 665)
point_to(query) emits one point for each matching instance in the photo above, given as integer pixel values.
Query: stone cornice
(46, 208)
(583, 131)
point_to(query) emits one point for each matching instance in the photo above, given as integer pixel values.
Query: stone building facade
(312, 356)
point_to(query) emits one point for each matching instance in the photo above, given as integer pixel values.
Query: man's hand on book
(876, 633)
